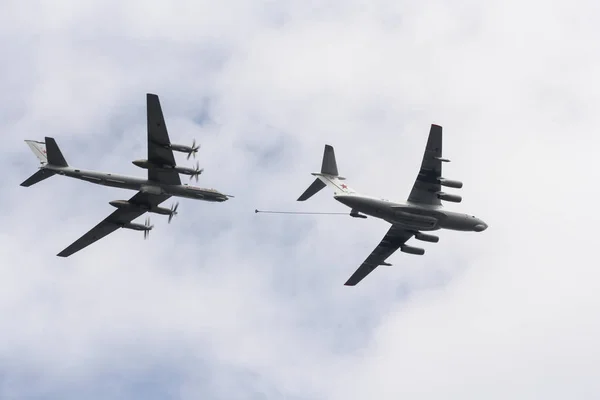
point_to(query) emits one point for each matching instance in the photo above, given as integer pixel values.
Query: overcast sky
(226, 304)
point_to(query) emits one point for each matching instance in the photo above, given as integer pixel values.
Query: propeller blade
(173, 211)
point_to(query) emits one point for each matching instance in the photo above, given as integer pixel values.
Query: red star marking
(344, 186)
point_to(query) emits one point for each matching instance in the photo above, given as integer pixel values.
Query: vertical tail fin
(54, 154)
(328, 177)
(329, 166)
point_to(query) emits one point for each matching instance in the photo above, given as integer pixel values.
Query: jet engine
(454, 198)
(424, 237)
(450, 183)
(412, 250)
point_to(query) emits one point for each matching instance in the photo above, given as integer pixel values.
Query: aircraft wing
(393, 239)
(427, 182)
(114, 221)
(159, 151)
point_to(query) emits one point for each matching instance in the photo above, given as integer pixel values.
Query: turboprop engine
(190, 150)
(171, 212)
(454, 198)
(193, 172)
(146, 228)
(412, 250)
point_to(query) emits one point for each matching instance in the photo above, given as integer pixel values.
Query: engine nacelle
(185, 170)
(450, 183)
(129, 206)
(454, 198)
(142, 164)
(120, 204)
(135, 227)
(424, 237)
(412, 250)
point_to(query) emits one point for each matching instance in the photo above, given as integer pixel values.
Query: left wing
(115, 221)
(159, 151)
(393, 239)
(427, 184)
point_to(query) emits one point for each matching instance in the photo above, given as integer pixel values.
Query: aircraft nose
(480, 227)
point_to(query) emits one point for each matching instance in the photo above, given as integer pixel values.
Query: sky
(224, 303)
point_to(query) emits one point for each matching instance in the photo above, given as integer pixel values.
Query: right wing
(427, 184)
(393, 239)
(114, 221)
(159, 151)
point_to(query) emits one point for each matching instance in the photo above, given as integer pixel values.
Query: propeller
(196, 172)
(194, 150)
(173, 211)
(148, 228)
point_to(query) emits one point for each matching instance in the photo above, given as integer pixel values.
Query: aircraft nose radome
(480, 227)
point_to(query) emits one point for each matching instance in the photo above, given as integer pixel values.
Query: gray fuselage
(412, 216)
(142, 185)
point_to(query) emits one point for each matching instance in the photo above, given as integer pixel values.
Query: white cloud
(229, 304)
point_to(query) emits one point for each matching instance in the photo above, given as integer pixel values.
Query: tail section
(313, 189)
(49, 154)
(329, 166)
(40, 175)
(39, 149)
(55, 156)
(327, 177)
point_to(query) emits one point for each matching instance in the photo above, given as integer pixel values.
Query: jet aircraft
(422, 212)
(163, 180)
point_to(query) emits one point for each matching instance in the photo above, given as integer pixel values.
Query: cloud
(224, 303)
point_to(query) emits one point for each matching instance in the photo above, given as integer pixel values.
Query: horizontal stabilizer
(312, 190)
(37, 177)
(54, 154)
(39, 149)
(329, 166)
